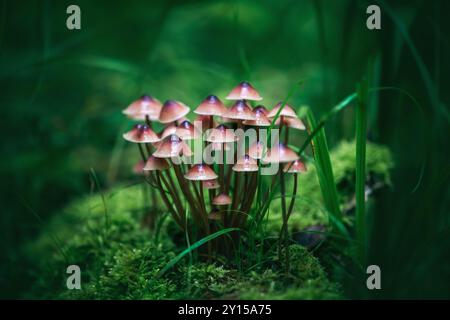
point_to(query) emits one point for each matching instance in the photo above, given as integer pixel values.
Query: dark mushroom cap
(246, 164)
(280, 154)
(244, 91)
(222, 200)
(141, 133)
(287, 111)
(170, 147)
(211, 106)
(240, 111)
(153, 163)
(142, 107)
(173, 110)
(295, 167)
(200, 172)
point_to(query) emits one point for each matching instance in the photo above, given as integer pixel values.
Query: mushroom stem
(284, 215)
(284, 228)
(166, 201)
(173, 193)
(186, 191)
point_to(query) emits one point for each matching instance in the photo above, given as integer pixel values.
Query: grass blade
(189, 249)
(325, 173)
(361, 124)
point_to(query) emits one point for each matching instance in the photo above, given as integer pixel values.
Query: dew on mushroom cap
(211, 106)
(153, 163)
(280, 153)
(246, 164)
(142, 107)
(287, 111)
(171, 146)
(173, 110)
(240, 111)
(200, 172)
(141, 133)
(222, 200)
(244, 91)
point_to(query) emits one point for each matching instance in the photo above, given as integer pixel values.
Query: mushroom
(211, 106)
(280, 153)
(240, 111)
(287, 111)
(170, 147)
(246, 164)
(200, 172)
(153, 163)
(187, 131)
(169, 129)
(244, 91)
(256, 150)
(211, 184)
(173, 110)
(222, 200)
(261, 119)
(221, 134)
(145, 106)
(141, 133)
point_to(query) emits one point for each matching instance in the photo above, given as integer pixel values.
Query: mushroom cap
(240, 111)
(261, 119)
(186, 131)
(153, 163)
(244, 91)
(169, 129)
(295, 166)
(186, 150)
(256, 150)
(141, 133)
(211, 184)
(144, 106)
(246, 164)
(204, 119)
(200, 172)
(287, 111)
(170, 147)
(138, 168)
(211, 106)
(221, 134)
(294, 123)
(218, 146)
(221, 200)
(173, 110)
(280, 153)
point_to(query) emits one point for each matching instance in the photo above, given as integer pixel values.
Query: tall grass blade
(325, 173)
(197, 244)
(361, 125)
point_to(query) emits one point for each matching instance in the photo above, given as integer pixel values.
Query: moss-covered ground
(119, 258)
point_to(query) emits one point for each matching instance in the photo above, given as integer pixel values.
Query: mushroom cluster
(222, 193)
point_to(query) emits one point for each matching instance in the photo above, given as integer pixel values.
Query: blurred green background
(62, 92)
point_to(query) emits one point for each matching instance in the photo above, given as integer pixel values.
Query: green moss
(119, 259)
(308, 208)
